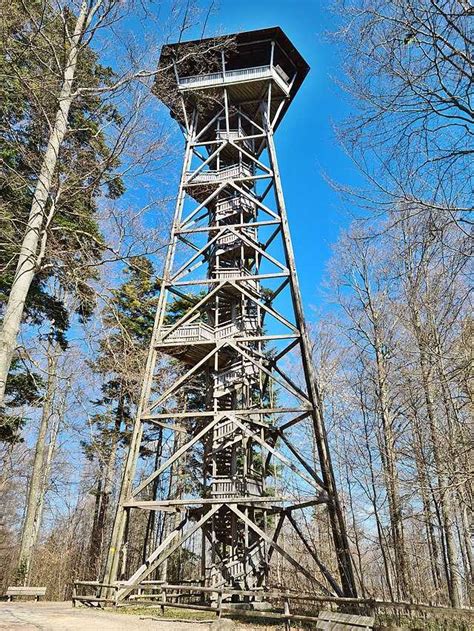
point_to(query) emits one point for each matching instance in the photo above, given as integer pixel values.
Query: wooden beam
(279, 549)
(175, 456)
(154, 560)
(324, 570)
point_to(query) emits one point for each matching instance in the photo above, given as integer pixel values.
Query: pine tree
(128, 323)
(51, 236)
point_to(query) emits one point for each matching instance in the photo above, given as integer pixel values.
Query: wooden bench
(334, 621)
(25, 591)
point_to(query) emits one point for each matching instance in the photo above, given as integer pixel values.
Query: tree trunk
(373, 500)
(28, 257)
(104, 492)
(388, 455)
(466, 536)
(38, 482)
(445, 499)
(423, 486)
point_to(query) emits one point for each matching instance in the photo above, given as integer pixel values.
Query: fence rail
(287, 603)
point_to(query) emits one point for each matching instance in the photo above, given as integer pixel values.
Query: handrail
(278, 595)
(234, 204)
(201, 331)
(215, 175)
(188, 330)
(221, 76)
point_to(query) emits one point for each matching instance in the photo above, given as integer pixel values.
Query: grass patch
(170, 612)
(243, 623)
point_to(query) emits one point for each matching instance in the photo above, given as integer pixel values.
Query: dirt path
(25, 616)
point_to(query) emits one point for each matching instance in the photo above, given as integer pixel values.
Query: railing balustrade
(234, 171)
(192, 332)
(227, 207)
(231, 273)
(231, 239)
(228, 487)
(235, 134)
(223, 428)
(237, 75)
(202, 332)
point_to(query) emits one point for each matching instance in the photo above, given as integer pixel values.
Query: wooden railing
(192, 332)
(235, 134)
(287, 605)
(233, 374)
(231, 273)
(254, 73)
(234, 171)
(223, 487)
(223, 428)
(231, 238)
(239, 567)
(202, 332)
(213, 78)
(227, 207)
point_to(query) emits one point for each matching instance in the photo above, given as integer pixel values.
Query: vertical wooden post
(334, 508)
(163, 599)
(287, 613)
(130, 465)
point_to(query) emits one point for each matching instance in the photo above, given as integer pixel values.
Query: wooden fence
(285, 605)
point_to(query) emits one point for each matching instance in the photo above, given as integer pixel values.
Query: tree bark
(28, 257)
(445, 499)
(373, 500)
(388, 450)
(104, 493)
(423, 486)
(38, 482)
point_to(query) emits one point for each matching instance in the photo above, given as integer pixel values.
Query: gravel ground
(61, 616)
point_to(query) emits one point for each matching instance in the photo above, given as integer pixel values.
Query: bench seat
(335, 621)
(25, 591)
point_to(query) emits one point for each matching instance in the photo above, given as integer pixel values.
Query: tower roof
(204, 57)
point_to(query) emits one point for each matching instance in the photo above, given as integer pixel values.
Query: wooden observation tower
(230, 407)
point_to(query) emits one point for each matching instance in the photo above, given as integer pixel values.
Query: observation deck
(241, 77)
(242, 63)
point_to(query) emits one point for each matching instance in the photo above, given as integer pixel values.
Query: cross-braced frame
(230, 319)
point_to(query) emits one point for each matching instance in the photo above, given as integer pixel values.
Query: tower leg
(336, 517)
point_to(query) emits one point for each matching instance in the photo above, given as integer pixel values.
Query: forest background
(376, 157)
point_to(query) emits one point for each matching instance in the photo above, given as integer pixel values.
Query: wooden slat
(335, 621)
(26, 591)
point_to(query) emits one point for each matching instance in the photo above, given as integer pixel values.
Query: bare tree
(408, 67)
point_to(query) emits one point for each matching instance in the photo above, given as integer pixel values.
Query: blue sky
(305, 140)
(307, 149)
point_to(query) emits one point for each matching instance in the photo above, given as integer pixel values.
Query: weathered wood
(278, 596)
(334, 508)
(157, 558)
(279, 549)
(157, 505)
(222, 340)
(37, 592)
(335, 621)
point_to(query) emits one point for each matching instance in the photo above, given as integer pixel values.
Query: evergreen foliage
(33, 53)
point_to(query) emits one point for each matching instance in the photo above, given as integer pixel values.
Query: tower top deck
(242, 62)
